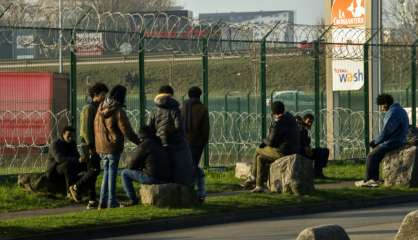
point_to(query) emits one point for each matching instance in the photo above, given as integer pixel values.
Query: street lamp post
(60, 35)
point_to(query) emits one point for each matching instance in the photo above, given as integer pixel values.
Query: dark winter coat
(196, 122)
(111, 126)
(61, 152)
(166, 120)
(284, 135)
(305, 139)
(151, 158)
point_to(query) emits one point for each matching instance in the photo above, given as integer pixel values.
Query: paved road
(366, 224)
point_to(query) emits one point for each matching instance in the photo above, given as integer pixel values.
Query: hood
(108, 107)
(395, 105)
(166, 101)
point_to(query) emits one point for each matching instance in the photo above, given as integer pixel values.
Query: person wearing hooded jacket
(392, 136)
(111, 126)
(167, 122)
(147, 165)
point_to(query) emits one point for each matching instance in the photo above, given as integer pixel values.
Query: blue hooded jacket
(395, 128)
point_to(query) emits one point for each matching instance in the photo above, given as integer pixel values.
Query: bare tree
(401, 15)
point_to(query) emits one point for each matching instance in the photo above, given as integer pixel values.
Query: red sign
(25, 108)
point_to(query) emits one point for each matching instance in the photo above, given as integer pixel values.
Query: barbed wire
(119, 32)
(234, 136)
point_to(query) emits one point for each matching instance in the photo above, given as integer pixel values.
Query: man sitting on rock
(148, 164)
(392, 136)
(318, 155)
(282, 140)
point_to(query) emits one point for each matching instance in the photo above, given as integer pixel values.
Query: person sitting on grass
(64, 159)
(148, 164)
(282, 140)
(392, 136)
(318, 155)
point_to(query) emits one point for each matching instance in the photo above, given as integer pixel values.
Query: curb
(218, 218)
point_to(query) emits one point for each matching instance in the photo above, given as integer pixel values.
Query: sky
(306, 11)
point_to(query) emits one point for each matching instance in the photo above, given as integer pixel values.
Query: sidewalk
(80, 207)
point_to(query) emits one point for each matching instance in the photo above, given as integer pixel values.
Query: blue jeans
(128, 176)
(108, 188)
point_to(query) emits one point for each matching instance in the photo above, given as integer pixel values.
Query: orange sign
(349, 13)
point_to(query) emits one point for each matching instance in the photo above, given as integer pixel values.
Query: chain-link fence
(241, 68)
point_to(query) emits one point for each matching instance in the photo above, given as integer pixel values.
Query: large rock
(168, 195)
(400, 167)
(409, 227)
(39, 183)
(243, 170)
(292, 174)
(326, 232)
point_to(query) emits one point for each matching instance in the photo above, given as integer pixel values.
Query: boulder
(326, 232)
(243, 170)
(168, 195)
(409, 227)
(400, 167)
(292, 174)
(39, 183)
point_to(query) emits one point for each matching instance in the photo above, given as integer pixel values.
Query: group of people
(170, 145)
(290, 135)
(287, 135)
(168, 148)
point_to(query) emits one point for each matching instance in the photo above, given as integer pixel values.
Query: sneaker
(248, 184)
(92, 205)
(74, 194)
(259, 189)
(201, 200)
(101, 206)
(370, 183)
(129, 203)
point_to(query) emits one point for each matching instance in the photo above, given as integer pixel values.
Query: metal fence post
(263, 76)
(414, 83)
(317, 94)
(141, 83)
(366, 98)
(297, 101)
(205, 76)
(73, 82)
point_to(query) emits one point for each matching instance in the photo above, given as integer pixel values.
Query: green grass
(214, 205)
(13, 198)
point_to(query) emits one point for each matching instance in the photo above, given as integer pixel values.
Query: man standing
(111, 127)
(392, 136)
(282, 140)
(167, 122)
(196, 122)
(87, 182)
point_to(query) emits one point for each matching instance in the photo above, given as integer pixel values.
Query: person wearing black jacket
(63, 160)
(148, 164)
(282, 140)
(167, 122)
(318, 155)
